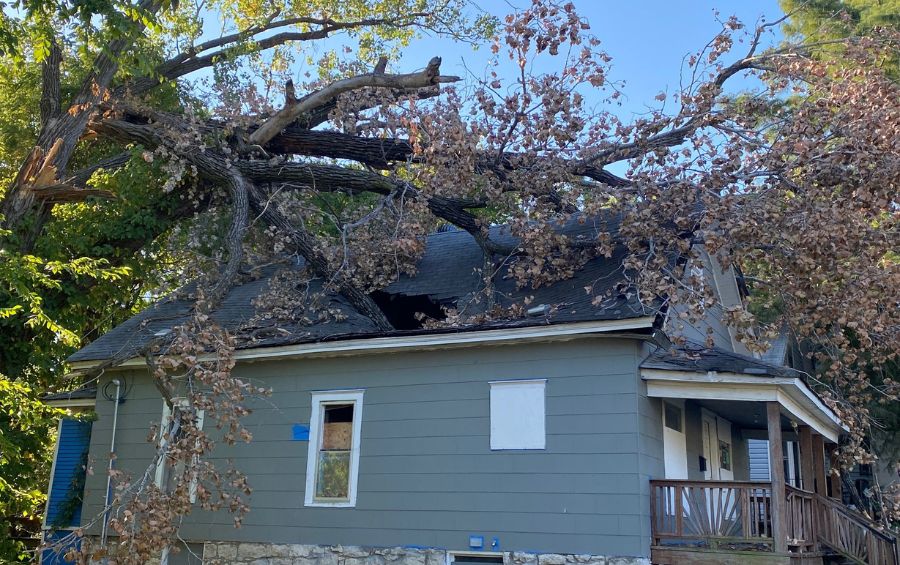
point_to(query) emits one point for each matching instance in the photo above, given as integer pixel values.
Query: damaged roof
(448, 275)
(700, 359)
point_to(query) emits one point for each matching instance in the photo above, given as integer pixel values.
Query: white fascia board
(791, 393)
(711, 377)
(419, 342)
(72, 403)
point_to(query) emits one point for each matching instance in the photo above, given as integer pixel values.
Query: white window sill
(323, 504)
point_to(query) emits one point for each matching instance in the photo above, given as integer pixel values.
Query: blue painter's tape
(300, 432)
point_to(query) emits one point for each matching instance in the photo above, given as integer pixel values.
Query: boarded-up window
(518, 414)
(334, 442)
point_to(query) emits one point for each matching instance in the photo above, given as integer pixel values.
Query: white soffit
(791, 393)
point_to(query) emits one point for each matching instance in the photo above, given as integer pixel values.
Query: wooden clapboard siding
(427, 475)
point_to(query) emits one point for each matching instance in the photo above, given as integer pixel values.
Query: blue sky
(647, 40)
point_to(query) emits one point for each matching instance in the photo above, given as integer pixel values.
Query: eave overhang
(794, 396)
(549, 332)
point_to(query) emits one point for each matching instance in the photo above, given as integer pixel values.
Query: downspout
(112, 450)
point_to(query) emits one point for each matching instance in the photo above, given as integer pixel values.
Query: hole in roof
(401, 309)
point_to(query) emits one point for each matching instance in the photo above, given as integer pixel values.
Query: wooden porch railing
(853, 535)
(738, 515)
(801, 520)
(712, 513)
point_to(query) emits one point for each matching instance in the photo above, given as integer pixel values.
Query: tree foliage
(822, 21)
(25, 445)
(175, 154)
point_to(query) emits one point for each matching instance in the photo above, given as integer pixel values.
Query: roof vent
(755, 371)
(539, 310)
(161, 333)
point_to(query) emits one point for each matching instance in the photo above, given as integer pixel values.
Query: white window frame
(324, 398)
(161, 476)
(496, 442)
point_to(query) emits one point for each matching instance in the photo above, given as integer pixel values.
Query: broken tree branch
(428, 77)
(58, 138)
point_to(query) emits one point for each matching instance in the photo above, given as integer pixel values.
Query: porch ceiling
(723, 392)
(746, 415)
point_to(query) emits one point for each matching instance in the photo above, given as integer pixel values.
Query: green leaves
(24, 277)
(26, 441)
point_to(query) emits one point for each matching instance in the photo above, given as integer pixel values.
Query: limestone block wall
(227, 553)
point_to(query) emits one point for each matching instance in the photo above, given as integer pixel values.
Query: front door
(717, 448)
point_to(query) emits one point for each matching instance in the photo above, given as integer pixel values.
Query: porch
(737, 522)
(714, 505)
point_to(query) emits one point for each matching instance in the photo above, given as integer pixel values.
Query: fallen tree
(795, 183)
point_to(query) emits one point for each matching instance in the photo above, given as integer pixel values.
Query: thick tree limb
(327, 178)
(320, 177)
(308, 247)
(50, 93)
(216, 167)
(428, 77)
(378, 153)
(239, 190)
(381, 153)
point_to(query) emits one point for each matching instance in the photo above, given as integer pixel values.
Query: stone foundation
(226, 553)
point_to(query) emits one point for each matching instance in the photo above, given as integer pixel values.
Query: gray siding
(427, 476)
(651, 461)
(712, 323)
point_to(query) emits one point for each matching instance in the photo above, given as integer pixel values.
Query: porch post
(818, 443)
(806, 459)
(776, 466)
(836, 488)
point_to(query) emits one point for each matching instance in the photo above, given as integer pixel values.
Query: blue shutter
(68, 474)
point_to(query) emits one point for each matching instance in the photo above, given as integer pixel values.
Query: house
(576, 434)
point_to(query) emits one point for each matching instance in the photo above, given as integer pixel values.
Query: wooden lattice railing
(853, 535)
(738, 515)
(801, 520)
(712, 513)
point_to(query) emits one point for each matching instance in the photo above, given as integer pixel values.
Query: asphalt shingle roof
(447, 274)
(697, 358)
